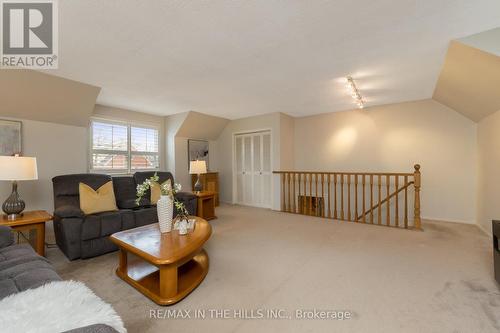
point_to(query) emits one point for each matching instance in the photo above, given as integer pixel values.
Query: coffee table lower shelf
(164, 284)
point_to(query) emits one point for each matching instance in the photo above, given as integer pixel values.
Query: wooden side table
(206, 204)
(33, 220)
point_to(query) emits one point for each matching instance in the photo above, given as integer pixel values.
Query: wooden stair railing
(363, 197)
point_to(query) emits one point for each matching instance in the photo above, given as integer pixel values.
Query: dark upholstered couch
(22, 269)
(85, 236)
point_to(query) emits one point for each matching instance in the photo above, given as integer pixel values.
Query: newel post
(417, 180)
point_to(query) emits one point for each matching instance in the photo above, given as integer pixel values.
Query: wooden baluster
(329, 196)
(342, 196)
(293, 193)
(379, 215)
(335, 196)
(396, 184)
(289, 206)
(371, 198)
(304, 200)
(417, 179)
(356, 198)
(297, 208)
(316, 196)
(348, 197)
(310, 194)
(406, 202)
(388, 209)
(282, 192)
(323, 195)
(364, 200)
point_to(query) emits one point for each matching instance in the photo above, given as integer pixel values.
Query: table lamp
(197, 168)
(14, 169)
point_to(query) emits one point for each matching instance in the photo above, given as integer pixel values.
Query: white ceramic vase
(165, 210)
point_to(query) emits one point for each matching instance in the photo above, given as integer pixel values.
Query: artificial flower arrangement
(166, 189)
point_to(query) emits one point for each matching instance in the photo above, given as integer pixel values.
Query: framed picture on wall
(10, 137)
(198, 150)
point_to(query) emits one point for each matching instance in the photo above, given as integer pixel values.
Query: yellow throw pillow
(102, 200)
(156, 191)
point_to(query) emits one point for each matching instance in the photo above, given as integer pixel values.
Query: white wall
(287, 145)
(488, 142)
(59, 149)
(172, 125)
(393, 138)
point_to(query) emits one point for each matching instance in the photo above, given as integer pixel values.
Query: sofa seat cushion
(17, 251)
(16, 255)
(104, 224)
(26, 275)
(145, 216)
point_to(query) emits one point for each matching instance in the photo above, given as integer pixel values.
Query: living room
(240, 166)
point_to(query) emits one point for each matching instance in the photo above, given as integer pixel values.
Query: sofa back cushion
(141, 176)
(66, 187)
(97, 201)
(125, 193)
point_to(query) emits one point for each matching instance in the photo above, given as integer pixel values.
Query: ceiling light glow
(354, 92)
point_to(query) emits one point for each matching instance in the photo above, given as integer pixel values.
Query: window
(123, 148)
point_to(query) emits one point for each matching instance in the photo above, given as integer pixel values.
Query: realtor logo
(29, 34)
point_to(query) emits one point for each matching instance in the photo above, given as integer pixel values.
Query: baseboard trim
(445, 220)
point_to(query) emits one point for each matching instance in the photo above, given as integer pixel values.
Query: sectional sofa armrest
(68, 232)
(6, 236)
(68, 211)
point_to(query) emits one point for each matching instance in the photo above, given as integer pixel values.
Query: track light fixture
(354, 92)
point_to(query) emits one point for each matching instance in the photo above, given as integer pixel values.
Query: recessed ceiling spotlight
(354, 92)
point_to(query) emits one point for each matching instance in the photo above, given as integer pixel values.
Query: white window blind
(123, 148)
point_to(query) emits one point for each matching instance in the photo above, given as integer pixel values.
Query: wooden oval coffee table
(164, 267)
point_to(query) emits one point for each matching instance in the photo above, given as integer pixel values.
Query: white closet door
(253, 169)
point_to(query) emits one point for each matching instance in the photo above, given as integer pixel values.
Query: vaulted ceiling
(241, 58)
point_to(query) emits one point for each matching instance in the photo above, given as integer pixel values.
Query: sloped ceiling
(470, 81)
(201, 126)
(488, 41)
(236, 59)
(33, 95)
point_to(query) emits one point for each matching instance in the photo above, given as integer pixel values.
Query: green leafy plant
(166, 189)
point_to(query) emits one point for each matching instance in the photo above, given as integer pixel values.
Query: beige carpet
(439, 280)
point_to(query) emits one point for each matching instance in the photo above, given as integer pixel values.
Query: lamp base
(12, 217)
(197, 186)
(14, 205)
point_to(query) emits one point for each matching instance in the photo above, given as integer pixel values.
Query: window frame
(129, 153)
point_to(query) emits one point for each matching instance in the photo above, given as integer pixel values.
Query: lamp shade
(197, 167)
(18, 168)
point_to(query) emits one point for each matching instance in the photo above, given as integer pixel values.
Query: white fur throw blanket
(56, 307)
